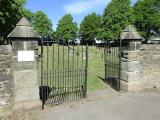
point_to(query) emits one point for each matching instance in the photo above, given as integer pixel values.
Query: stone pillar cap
(130, 33)
(24, 29)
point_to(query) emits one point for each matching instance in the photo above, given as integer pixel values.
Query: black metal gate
(63, 72)
(112, 51)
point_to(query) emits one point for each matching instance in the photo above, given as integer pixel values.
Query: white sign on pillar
(25, 56)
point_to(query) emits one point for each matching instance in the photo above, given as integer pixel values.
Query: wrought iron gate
(112, 51)
(63, 72)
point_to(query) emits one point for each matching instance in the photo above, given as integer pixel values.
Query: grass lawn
(96, 68)
(95, 63)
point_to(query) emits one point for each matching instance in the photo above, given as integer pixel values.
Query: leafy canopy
(43, 24)
(89, 27)
(29, 15)
(117, 15)
(11, 12)
(67, 28)
(147, 16)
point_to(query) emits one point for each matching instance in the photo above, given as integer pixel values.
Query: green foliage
(147, 16)
(11, 12)
(43, 24)
(66, 29)
(54, 35)
(117, 15)
(89, 27)
(29, 15)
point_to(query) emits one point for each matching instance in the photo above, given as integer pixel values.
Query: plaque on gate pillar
(24, 56)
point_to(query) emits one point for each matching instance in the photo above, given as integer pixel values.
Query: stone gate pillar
(130, 64)
(25, 45)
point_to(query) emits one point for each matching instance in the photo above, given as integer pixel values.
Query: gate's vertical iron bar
(113, 65)
(45, 89)
(80, 68)
(76, 78)
(47, 69)
(56, 87)
(74, 86)
(86, 71)
(50, 87)
(105, 48)
(65, 77)
(117, 55)
(82, 58)
(82, 83)
(120, 48)
(116, 64)
(73, 73)
(42, 96)
(105, 59)
(108, 61)
(70, 86)
(77, 72)
(80, 73)
(53, 80)
(58, 71)
(115, 59)
(68, 83)
(77, 91)
(81, 86)
(63, 86)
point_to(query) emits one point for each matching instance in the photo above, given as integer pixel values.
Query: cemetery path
(107, 105)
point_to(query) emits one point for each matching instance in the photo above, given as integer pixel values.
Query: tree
(29, 15)
(89, 27)
(67, 28)
(11, 12)
(117, 15)
(43, 24)
(147, 16)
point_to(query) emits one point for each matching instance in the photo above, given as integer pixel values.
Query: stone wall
(6, 81)
(130, 67)
(140, 67)
(149, 57)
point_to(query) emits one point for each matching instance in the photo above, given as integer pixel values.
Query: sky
(55, 9)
